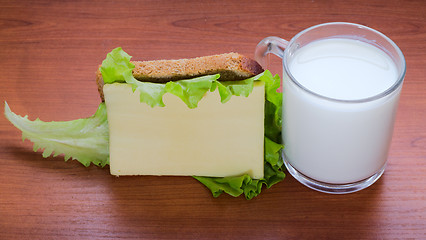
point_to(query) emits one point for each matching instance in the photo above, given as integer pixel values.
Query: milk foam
(343, 69)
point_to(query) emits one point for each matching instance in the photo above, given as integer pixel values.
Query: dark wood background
(49, 52)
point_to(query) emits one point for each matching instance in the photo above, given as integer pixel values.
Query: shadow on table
(182, 208)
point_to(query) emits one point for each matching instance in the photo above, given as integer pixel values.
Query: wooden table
(49, 53)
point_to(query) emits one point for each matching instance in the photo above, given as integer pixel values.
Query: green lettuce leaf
(85, 140)
(193, 90)
(117, 66)
(236, 88)
(273, 107)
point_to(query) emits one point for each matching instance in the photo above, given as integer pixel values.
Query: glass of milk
(341, 85)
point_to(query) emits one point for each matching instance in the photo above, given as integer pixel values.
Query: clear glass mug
(341, 87)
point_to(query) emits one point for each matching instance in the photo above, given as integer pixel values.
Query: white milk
(336, 141)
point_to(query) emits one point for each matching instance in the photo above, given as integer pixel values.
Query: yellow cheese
(214, 139)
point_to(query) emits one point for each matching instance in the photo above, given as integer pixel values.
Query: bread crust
(231, 67)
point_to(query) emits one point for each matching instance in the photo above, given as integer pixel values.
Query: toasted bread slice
(230, 66)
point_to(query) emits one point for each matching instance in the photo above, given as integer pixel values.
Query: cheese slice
(215, 139)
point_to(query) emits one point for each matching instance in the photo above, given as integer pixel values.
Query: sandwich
(216, 118)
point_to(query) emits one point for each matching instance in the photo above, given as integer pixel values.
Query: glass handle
(268, 45)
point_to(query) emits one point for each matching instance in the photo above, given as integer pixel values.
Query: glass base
(329, 187)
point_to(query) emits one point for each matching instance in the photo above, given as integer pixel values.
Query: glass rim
(382, 94)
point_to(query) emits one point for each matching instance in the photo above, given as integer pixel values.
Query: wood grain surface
(49, 53)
